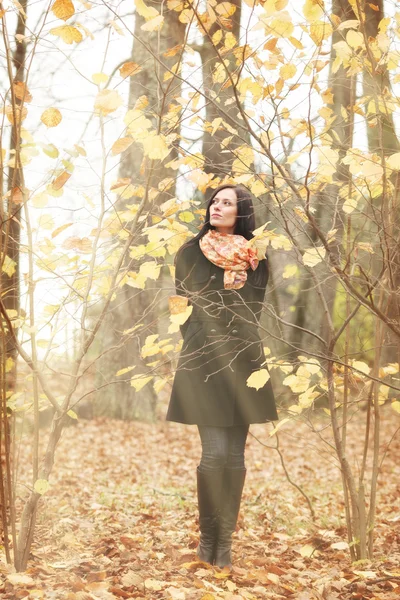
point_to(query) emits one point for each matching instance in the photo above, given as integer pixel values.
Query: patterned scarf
(230, 252)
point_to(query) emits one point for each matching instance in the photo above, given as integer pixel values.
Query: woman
(225, 283)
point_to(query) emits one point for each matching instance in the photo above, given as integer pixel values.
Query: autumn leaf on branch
(60, 181)
(107, 101)
(63, 9)
(121, 145)
(51, 117)
(21, 91)
(129, 69)
(68, 34)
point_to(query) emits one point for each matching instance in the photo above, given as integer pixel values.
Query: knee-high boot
(231, 496)
(209, 485)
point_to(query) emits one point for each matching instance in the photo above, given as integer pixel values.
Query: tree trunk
(133, 306)
(215, 162)
(382, 140)
(342, 87)
(10, 231)
(11, 227)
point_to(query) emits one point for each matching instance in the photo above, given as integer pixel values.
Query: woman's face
(223, 211)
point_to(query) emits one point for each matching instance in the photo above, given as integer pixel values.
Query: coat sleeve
(182, 281)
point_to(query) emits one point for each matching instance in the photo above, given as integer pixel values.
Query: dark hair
(244, 225)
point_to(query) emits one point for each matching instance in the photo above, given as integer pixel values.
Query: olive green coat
(221, 348)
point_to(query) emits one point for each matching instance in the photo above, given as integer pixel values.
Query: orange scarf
(230, 252)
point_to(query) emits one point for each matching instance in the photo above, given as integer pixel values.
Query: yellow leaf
(349, 205)
(320, 31)
(216, 38)
(153, 25)
(107, 101)
(45, 222)
(150, 270)
(361, 366)
(129, 68)
(71, 413)
(155, 147)
(313, 9)
(182, 317)
(282, 27)
(51, 117)
(136, 280)
(148, 12)
(9, 362)
(41, 486)
(21, 91)
(139, 381)
(140, 103)
(224, 574)
(60, 229)
(19, 195)
(308, 551)
(15, 114)
(137, 124)
(99, 78)
(396, 405)
(80, 150)
(313, 256)
(63, 9)
(186, 216)
(296, 43)
(350, 24)
(289, 271)
(50, 150)
(258, 379)
(67, 33)
(230, 40)
(225, 9)
(177, 5)
(297, 383)
(393, 162)
(355, 39)
(121, 145)
(279, 425)
(79, 244)
(9, 266)
(60, 181)
(312, 365)
(307, 398)
(287, 71)
(125, 370)
(159, 385)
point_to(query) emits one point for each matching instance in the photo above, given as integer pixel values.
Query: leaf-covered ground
(119, 519)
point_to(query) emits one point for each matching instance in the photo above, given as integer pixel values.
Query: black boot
(229, 510)
(208, 494)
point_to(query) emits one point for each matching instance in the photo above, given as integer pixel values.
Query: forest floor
(120, 518)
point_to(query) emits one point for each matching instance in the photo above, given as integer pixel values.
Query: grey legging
(222, 447)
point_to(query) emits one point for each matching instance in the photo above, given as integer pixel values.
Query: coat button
(213, 331)
(234, 331)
